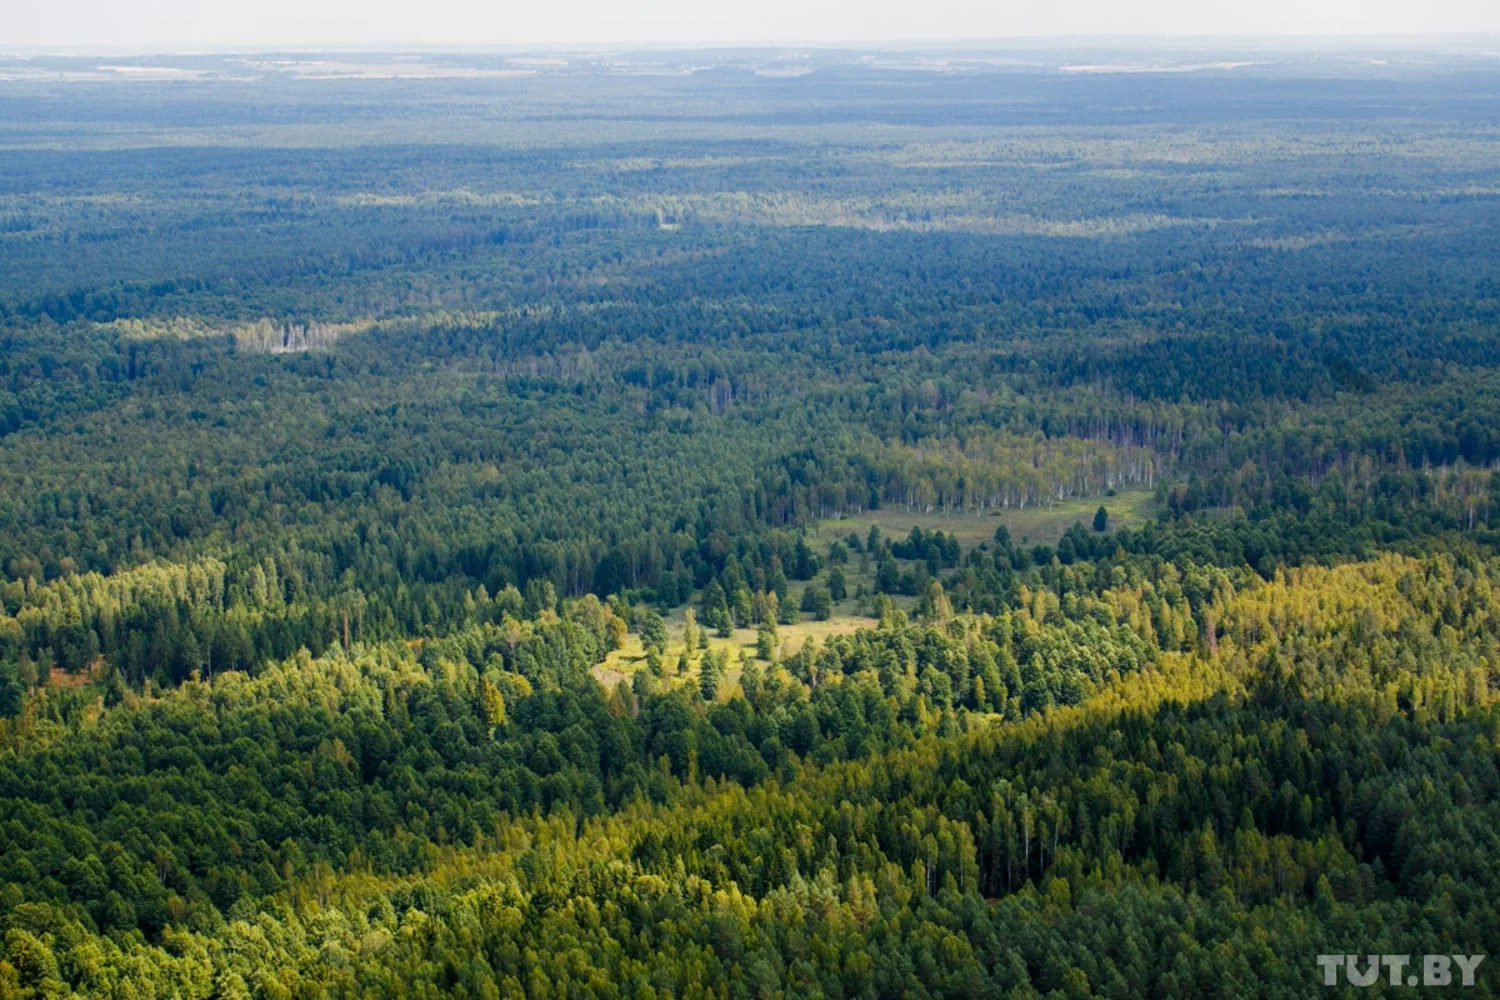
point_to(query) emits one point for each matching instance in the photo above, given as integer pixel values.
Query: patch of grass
(622, 663)
(1034, 525)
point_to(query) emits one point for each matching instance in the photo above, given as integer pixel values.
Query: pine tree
(765, 640)
(653, 630)
(709, 676)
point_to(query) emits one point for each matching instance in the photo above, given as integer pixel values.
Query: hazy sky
(218, 23)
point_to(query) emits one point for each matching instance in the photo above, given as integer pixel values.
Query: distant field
(1035, 525)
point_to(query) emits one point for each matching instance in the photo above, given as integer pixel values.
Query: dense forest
(747, 524)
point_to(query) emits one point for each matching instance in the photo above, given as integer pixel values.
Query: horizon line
(1401, 40)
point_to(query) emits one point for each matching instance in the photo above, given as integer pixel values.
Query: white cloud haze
(165, 23)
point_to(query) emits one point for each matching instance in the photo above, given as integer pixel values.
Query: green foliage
(837, 585)
(765, 640)
(1244, 796)
(339, 458)
(817, 602)
(653, 630)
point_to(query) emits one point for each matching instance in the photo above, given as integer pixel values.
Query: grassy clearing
(1031, 526)
(1035, 525)
(623, 663)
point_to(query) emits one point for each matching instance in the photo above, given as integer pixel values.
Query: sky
(188, 24)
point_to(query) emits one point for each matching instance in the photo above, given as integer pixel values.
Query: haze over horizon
(168, 24)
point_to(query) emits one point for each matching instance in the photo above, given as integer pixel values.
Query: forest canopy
(747, 524)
